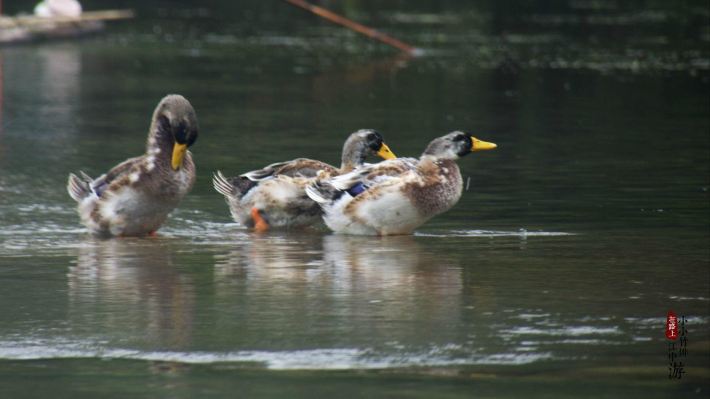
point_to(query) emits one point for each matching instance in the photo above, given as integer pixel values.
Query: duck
(395, 197)
(135, 197)
(275, 197)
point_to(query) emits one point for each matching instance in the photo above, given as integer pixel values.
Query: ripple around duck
(205, 232)
(495, 233)
(311, 359)
(58, 231)
(35, 237)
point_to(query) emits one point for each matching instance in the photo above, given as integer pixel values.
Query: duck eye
(181, 134)
(374, 141)
(191, 138)
(459, 137)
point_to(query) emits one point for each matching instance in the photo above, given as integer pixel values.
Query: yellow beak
(178, 154)
(480, 145)
(385, 152)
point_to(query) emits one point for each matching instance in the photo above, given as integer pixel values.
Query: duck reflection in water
(365, 285)
(275, 256)
(131, 289)
(396, 269)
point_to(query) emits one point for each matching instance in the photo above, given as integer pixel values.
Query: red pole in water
(348, 23)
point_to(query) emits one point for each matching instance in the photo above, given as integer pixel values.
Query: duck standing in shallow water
(396, 197)
(275, 195)
(136, 196)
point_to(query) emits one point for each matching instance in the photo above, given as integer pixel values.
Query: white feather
(315, 195)
(222, 185)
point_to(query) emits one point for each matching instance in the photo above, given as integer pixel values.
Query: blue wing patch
(357, 189)
(99, 190)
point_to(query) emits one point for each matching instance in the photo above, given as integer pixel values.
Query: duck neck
(160, 140)
(352, 158)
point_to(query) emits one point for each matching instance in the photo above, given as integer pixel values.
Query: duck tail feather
(323, 192)
(85, 176)
(234, 187)
(79, 187)
(222, 185)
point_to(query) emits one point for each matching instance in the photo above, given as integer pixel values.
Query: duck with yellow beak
(396, 197)
(275, 195)
(136, 196)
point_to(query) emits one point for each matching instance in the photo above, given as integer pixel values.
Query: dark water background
(551, 278)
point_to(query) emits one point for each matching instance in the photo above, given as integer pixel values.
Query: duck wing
(300, 167)
(79, 187)
(372, 174)
(360, 180)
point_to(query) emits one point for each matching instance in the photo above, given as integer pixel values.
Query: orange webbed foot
(260, 224)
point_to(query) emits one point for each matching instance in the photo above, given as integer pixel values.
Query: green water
(551, 277)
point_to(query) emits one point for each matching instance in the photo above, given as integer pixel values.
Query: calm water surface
(550, 278)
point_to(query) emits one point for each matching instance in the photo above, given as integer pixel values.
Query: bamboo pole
(357, 27)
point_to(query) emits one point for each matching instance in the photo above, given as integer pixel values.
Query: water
(550, 278)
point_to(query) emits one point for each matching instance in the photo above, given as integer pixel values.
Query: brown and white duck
(397, 196)
(275, 195)
(136, 196)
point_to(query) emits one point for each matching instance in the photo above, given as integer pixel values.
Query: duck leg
(260, 224)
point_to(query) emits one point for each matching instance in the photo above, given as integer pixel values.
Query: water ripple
(495, 233)
(311, 359)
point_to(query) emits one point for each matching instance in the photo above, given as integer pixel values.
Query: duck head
(174, 129)
(362, 143)
(455, 145)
